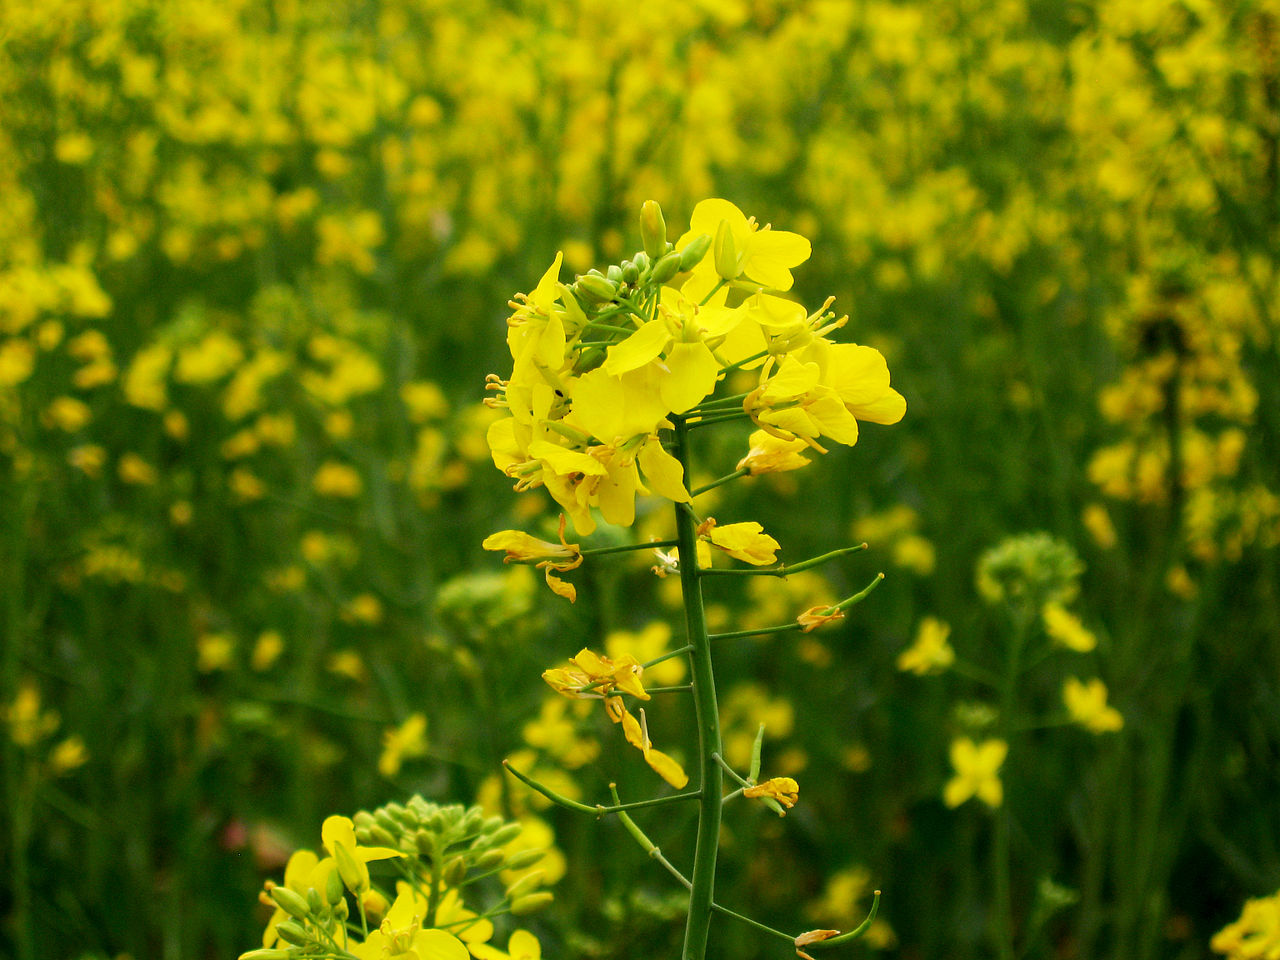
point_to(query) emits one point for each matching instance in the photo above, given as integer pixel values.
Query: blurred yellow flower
(1087, 705)
(215, 651)
(66, 413)
(68, 755)
(335, 479)
(1065, 629)
(405, 742)
(267, 650)
(931, 653)
(134, 470)
(977, 774)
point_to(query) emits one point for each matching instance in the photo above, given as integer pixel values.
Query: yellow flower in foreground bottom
(401, 743)
(1065, 629)
(523, 945)
(1255, 934)
(783, 789)
(977, 769)
(745, 541)
(930, 653)
(1087, 704)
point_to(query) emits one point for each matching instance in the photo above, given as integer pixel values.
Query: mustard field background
(255, 258)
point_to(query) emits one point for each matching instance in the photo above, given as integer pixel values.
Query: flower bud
(531, 902)
(641, 260)
(473, 820)
(726, 253)
(525, 859)
(614, 273)
(491, 824)
(291, 931)
(315, 902)
(526, 884)
(595, 289)
(653, 229)
(333, 888)
(380, 836)
(630, 272)
(667, 267)
(455, 869)
(489, 860)
(694, 251)
(348, 868)
(269, 953)
(504, 836)
(425, 841)
(290, 902)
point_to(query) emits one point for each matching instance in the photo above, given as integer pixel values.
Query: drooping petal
(638, 349)
(662, 471)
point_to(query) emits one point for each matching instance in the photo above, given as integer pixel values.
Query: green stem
(785, 569)
(711, 781)
(728, 478)
(1000, 848)
(599, 809)
(718, 418)
(625, 547)
(761, 632)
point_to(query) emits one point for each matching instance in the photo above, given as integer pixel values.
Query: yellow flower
(88, 458)
(773, 454)
(17, 360)
(596, 677)
(555, 733)
(67, 756)
(742, 248)
(930, 653)
(1097, 521)
(977, 774)
(27, 724)
(744, 541)
(215, 651)
(1255, 934)
(523, 945)
(454, 915)
(267, 650)
(133, 469)
(339, 837)
(637, 734)
(1087, 704)
(783, 789)
(548, 557)
(406, 741)
(818, 616)
(66, 413)
(335, 479)
(1065, 629)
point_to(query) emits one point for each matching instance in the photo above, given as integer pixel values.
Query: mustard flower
(744, 541)
(977, 774)
(1065, 629)
(1087, 705)
(931, 653)
(548, 557)
(523, 945)
(783, 789)
(406, 741)
(743, 249)
(350, 858)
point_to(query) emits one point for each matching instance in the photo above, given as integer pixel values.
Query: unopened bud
(291, 931)
(504, 836)
(653, 229)
(726, 253)
(667, 267)
(614, 273)
(694, 251)
(491, 824)
(489, 860)
(525, 859)
(595, 289)
(268, 953)
(333, 888)
(641, 260)
(526, 884)
(531, 902)
(315, 902)
(290, 902)
(380, 836)
(348, 868)
(473, 820)
(630, 272)
(455, 869)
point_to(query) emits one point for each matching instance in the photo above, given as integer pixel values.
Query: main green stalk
(710, 780)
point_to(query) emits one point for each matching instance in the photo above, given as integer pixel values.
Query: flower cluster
(600, 365)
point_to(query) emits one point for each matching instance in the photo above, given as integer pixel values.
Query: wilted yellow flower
(550, 558)
(931, 653)
(1087, 705)
(817, 616)
(772, 454)
(977, 769)
(648, 643)
(1065, 629)
(783, 789)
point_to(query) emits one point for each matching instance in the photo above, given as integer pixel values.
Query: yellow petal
(666, 768)
(336, 830)
(561, 588)
(662, 471)
(638, 349)
(439, 945)
(565, 461)
(693, 372)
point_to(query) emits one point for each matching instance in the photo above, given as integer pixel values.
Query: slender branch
(599, 809)
(742, 782)
(738, 365)
(625, 547)
(679, 688)
(727, 478)
(706, 406)
(785, 569)
(856, 932)
(761, 632)
(718, 418)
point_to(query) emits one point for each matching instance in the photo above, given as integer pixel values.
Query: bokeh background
(255, 257)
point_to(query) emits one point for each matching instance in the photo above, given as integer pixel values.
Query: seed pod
(694, 251)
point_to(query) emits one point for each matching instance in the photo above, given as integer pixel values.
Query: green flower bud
(525, 859)
(630, 272)
(381, 837)
(474, 819)
(642, 261)
(315, 902)
(653, 229)
(271, 953)
(504, 836)
(333, 888)
(363, 818)
(526, 884)
(492, 824)
(455, 869)
(614, 273)
(667, 267)
(588, 360)
(425, 841)
(489, 860)
(291, 931)
(349, 869)
(694, 251)
(726, 253)
(386, 821)
(290, 902)
(595, 289)
(531, 902)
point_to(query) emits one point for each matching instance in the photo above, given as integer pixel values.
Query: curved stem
(711, 780)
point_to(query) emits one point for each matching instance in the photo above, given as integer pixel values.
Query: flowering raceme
(598, 366)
